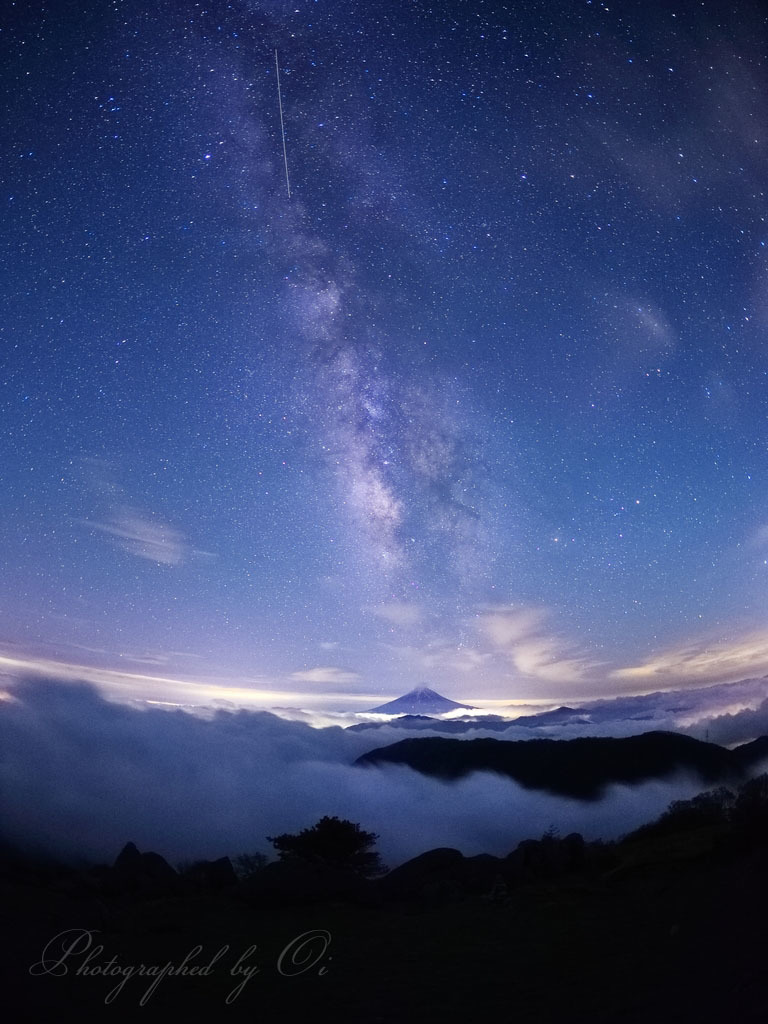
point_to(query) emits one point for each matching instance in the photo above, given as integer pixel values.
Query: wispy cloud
(399, 613)
(502, 649)
(187, 690)
(759, 538)
(145, 536)
(506, 626)
(702, 661)
(329, 675)
(518, 633)
(442, 655)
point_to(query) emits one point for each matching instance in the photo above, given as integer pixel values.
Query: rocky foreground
(667, 925)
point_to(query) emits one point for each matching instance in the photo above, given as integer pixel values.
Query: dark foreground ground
(668, 930)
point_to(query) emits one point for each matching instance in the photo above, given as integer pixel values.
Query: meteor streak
(282, 126)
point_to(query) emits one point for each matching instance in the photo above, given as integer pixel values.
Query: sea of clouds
(81, 776)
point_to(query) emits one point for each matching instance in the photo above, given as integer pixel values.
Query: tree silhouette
(750, 813)
(247, 865)
(334, 842)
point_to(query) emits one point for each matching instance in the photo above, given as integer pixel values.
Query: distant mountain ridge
(423, 723)
(495, 723)
(579, 768)
(420, 701)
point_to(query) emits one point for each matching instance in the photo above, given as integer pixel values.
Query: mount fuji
(420, 701)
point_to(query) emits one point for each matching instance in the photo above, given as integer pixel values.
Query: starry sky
(483, 404)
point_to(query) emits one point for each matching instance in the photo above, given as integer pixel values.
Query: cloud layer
(83, 776)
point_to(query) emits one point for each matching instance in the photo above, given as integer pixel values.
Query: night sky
(482, 405)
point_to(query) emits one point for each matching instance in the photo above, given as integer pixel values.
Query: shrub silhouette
(333, 842)
(246, 865)
(750, 813)
(746, 809)
(706, 810)
(711, 808)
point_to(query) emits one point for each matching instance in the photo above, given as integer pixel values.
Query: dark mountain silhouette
(420, 701)
(751, 753)
(416, 723)
(577, 768)
(558, 716)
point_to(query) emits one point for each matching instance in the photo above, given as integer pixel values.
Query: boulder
(211, 874)
(546, 857)
(434, 874)
(481, 873)
(142, 875)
